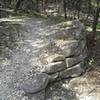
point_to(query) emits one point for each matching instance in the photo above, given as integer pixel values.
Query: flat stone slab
(70, 62)
(74, 71)
(53, 58)
(54, 67)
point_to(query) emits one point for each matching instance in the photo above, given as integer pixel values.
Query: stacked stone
(62, 57)
(67, 51)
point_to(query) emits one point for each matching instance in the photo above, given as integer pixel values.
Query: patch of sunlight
(66, 24)
(16, 17)
(66, 86)
(69, 22)
(5, 62)
(88, 97)
(26, 50)
(35, 62)
(13, 19)
(10, 20)
(28, 41)
(63, 42)
(89, 29)
(38, 43)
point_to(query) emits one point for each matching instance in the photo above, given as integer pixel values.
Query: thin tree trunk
(18, 4)
(37, 5)
(42, 5)
(95, 22)
(89, 8)
(64, 6)
(79, 8)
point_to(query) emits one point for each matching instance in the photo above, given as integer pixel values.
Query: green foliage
(98, 26)
(90, 61)
(88, 25)
(88, 28)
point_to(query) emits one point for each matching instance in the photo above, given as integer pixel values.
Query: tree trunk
(42, 5)
(78, 6)
(89, 8)
(18, 4)
(37, 5)
(64, 6)
(95, 22)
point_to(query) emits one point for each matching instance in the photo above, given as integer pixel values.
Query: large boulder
(35, 84)
(54, 67)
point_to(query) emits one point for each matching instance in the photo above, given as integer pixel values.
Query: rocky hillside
(35, 54)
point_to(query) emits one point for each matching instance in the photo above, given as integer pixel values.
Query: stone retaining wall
(62, 57)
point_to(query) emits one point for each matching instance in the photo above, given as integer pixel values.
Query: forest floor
(19, 45)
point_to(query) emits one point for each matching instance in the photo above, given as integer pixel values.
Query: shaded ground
(22, 41)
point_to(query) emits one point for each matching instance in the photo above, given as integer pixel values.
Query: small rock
(35, 84)
(73, 71)
(53, 77)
